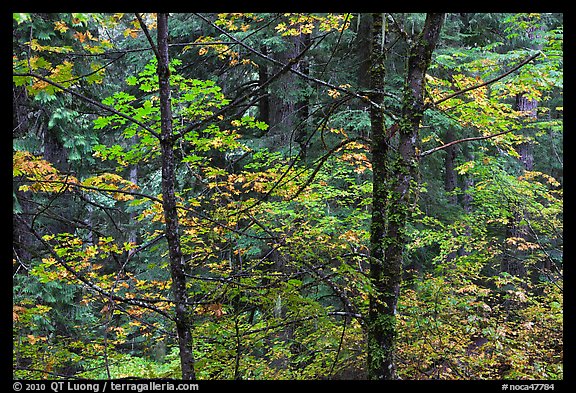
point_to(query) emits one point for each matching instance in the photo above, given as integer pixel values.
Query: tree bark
(514, 261)
(182, 317)
(302, 108)
(394, 172)
(283, 105)
(264, 101)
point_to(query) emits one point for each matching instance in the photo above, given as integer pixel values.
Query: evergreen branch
(289, 65)
(144, 303)
(90, 101)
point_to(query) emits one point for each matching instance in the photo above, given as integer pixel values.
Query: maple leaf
(60, 26)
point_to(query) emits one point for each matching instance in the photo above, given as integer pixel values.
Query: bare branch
(88, 283)
(90, 101)
(476, 138)
(147, 34)
(459, 92)
(289, 65)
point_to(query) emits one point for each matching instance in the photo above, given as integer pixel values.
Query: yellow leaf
(60, 26)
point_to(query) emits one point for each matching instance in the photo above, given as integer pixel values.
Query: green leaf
(21, 17)
(131, 81)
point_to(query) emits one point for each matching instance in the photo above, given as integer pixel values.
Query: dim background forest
(287, 196)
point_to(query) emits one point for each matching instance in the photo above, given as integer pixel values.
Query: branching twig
(147, 34)
(447, 145)
(90, 101)
(459, 92)
(88, 283)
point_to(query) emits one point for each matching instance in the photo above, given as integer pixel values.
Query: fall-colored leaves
(45, 178)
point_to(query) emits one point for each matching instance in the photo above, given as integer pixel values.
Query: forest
(287, 196)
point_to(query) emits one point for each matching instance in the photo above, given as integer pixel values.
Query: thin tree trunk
(264, 102)
(394, 172)
(302, 108)
(450, 180)
(183, 320)
(132, 232)
(283, 108)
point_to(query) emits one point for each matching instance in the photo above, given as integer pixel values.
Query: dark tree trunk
(450, 180)
(381, 332)
(529, 108)
(513, 260)
(394, 172)
(302, 108)
(283, 103)
(363, 51)
(264, 102)
(467, 184)
(133, 233)
(182, 317)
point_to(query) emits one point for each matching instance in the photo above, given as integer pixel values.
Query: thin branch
(90, 101)
(96, 70)
(147, 34)
(157, 200)
(23, 368)
(335, 46)
(459, 92)
(302, 319)
(476, 138)
(322, 160)
(289, 65)
(237, 101)
(126, 51)
(339, 347)
(84, 280)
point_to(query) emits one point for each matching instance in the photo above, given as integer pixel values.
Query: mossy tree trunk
(394, 171)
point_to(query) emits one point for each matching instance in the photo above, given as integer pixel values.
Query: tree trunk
(362, 47)
(450, 181)
(264, 101)
(513, 261)
(283, 104)
(182, 317)
(132, 231)
(302, 108)
(525, 150)
(394, 172)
